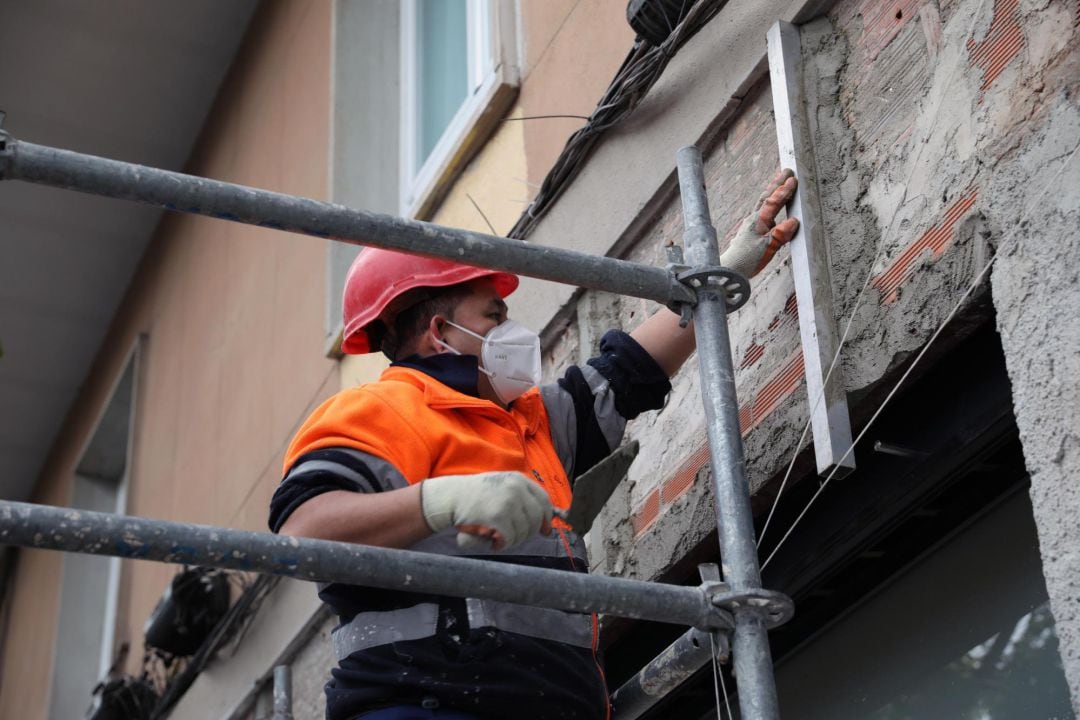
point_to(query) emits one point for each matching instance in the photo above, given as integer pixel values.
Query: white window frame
(112, 597)
(493, 75)
(106, 655)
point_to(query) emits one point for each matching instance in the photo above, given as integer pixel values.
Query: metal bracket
(714, 587)
(736, 287)
(775, 607)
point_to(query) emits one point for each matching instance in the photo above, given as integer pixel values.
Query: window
(458, 76)
(419, 86)
(964, 634)
(89, 590)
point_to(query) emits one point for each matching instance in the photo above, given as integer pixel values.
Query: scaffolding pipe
(283, 693)
(663, 675)
(227, 201)
(750, 649)
(99, 533)
(56, 528)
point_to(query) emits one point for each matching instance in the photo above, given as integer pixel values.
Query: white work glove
(496, 509)
(759, 237)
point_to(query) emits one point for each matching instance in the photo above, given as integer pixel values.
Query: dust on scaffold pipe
(750, 648)
(227, 201)
(57, 528)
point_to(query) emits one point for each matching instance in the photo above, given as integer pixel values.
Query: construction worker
(456, 451)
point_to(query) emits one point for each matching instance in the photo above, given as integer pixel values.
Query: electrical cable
(948, 318)
(640, 70)
(720, 689)
(230, 630)
(727, 701)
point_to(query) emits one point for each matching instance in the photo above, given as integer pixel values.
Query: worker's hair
(412, 322)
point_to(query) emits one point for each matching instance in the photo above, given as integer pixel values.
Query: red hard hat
(378, 279)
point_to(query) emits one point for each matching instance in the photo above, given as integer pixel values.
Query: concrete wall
(232, 358)
(1036, 289)
(939, 128)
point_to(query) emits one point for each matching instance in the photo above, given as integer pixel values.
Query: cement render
(737, 165)
(908, 135)
(1036, 289)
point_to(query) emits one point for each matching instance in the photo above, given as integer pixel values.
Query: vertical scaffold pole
(283, 693)
(750, 650)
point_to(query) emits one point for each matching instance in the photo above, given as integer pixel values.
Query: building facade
(937, 580)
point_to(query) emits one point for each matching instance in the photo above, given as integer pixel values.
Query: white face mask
(509, 356)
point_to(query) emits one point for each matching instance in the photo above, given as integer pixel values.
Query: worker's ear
(435, 327)
(433, 338)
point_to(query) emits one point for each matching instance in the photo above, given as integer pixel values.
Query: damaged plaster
(933, 127)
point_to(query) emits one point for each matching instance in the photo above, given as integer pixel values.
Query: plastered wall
(942, 132)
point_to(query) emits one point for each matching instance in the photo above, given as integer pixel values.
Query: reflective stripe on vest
(542, 623)
(369, 629)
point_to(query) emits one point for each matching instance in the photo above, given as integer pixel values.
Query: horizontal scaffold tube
(57, 528)
(187, 193)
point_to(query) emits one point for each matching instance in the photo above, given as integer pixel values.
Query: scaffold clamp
(735, 286)
(776, 608)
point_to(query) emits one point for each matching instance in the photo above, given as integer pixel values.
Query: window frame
(493, 79)
(109, 637)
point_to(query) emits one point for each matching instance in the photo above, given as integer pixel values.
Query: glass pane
(1015, 674)
(964, 634)
(442, 64)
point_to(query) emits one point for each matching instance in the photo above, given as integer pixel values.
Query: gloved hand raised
(759, 236)
(501, 508)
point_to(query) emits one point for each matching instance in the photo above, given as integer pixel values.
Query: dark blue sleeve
(638, 381)
(636, 384)
(318, 472)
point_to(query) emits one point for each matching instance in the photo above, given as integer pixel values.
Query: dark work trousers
(413, 712)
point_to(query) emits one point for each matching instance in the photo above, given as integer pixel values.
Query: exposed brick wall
(1003, 42)
(929, 246)
(898, 174)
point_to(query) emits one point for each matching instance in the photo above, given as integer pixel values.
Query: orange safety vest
(416, 423)
(425, 429)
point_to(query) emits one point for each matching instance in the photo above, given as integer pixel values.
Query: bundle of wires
(229, 631)
(640, 70)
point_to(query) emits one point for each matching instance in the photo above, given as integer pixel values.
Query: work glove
(496, 509)
(759, 237)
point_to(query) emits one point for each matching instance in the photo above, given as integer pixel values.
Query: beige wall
(233, 320)
(573, 49)
(233, 316)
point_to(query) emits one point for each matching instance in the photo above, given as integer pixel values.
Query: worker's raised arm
(754, 245)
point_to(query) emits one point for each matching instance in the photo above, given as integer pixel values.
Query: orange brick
(643, 518)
